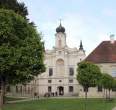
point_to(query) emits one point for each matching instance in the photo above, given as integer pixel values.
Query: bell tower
(60, 37)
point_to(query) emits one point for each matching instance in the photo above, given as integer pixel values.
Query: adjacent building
(104, 55)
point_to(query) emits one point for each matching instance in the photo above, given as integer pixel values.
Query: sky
(91, 21)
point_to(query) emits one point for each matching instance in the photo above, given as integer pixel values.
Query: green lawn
(62, 104)
(13, 98)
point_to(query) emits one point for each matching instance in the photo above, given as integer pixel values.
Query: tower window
(71, 89)
(71, 71)
(50, 71)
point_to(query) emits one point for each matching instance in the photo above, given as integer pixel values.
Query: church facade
(61, 64)
(60, 75)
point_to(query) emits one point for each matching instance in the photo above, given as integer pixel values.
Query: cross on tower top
(60, 21)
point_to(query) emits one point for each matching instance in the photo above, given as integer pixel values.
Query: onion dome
(60, 28)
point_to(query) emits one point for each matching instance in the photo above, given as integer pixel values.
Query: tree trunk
(2, 94)
(86, 90)
(106, 94)
(109, 94)
(86, 94)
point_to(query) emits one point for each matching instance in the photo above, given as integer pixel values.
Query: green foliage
(14, 5)
(21, 49)
(107, 81)
(114, 83)
(88, 74)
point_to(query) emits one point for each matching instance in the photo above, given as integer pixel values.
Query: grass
(62, 104)
(13, 98)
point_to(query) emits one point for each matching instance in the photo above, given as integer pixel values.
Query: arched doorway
(61, 90)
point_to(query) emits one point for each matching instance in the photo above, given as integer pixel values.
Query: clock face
(60, 36)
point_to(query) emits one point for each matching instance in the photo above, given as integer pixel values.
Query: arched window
(60, 67)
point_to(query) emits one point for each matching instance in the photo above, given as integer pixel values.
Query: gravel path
(114, 108)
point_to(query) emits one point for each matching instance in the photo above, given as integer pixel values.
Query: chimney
(112, 40)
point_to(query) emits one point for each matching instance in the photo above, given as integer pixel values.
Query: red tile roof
(104, 53)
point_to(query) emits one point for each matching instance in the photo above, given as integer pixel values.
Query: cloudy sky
(91, 21)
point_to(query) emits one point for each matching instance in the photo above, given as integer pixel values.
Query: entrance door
(61, 90)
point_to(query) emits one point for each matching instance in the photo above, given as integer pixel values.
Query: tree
(21, 50)
(114, 85)
(14, 5)
(88, 75)
(107, 82)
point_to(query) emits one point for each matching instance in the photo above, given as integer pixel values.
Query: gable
(104, 53)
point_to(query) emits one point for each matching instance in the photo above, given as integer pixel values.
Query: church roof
(104, 53)
(60, 28)
(81, 46)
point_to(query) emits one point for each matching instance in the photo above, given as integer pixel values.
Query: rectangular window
(85, 89)
(71, 71)
(17, 89)
(70, 80)
(49, 81)
(50, 71)
(49, 89)
(114, 89)
(71, 88)
(114, 73)
(8, 89)
(29, 90)
(99, 89)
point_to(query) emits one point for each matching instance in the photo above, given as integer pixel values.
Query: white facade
(61, 64)
(60, 76)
